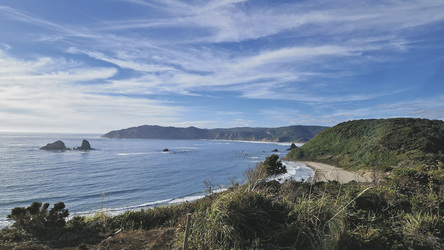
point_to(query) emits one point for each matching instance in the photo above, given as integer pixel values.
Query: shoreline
(325, 172)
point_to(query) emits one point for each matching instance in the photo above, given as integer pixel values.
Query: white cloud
(35, 98)
(235, 21)
(432, 108)
(301, 52)
(239, 21)
(261, 76)
(295, 55)
(68, 112)
(47, 71)
(299, 116)
(124, 61)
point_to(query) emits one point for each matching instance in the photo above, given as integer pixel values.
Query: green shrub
(239, 219)
(37, 221)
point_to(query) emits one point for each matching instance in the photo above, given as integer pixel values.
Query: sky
(91, 66)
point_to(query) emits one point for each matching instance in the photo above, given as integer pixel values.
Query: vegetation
(380, 144)
(37, 221)
(402, 212)
(273, 166)
(282, 134)
(296, 133)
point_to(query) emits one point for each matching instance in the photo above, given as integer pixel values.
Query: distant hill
(376, 143)
(296, 133)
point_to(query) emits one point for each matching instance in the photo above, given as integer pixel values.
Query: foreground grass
(402, 212)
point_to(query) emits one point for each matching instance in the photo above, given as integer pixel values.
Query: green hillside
(376, 143)
(296, 133)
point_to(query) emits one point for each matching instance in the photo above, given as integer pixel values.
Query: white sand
(324, 172)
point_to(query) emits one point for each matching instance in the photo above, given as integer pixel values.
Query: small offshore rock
(275, 150)
(166, 150)
(293, 146)
(57, 145)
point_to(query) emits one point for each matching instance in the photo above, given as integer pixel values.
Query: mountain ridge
(295, 133)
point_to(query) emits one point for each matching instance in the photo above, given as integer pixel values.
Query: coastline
(325, 172)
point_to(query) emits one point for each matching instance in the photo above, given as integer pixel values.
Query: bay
(122, 174)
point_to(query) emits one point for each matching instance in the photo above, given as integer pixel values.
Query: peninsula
(297, 133)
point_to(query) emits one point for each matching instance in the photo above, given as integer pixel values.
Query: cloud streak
(235, 21)
(36, 94)
(170, 56)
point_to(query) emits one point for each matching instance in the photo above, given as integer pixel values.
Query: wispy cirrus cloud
(42, 94)
(262, 76)
(425, 108)
(124, 61)
(228, 21)
(162, 55)
(420, 108)
(47, 71)
(220, 71)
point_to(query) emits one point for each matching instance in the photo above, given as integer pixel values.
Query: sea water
(123, 174)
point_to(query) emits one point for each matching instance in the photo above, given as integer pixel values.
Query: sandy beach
(325, 172)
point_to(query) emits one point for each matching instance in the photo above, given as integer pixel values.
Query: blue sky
(100, 65)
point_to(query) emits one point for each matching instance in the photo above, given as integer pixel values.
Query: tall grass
(403, 212)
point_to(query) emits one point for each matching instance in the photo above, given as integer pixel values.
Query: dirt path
(324, 172)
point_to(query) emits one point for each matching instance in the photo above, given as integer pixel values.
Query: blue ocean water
(122, 174)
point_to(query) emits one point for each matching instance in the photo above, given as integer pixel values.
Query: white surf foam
(297, 171)
(5, 223)
(141, 153)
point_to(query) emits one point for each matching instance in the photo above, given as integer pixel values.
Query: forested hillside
(376, 143)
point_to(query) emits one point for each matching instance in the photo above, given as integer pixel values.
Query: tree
(273, 166)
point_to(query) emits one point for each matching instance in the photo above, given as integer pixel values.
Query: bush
(37, 221)
(404, 212)
(240, 220)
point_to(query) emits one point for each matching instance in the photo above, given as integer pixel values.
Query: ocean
(123, 174)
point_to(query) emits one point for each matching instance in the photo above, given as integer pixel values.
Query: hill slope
(377, 143)
(283, 134)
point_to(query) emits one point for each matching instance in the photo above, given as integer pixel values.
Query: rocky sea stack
(293, 146)
(57, 145)
(85, 146)
(60, 146)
